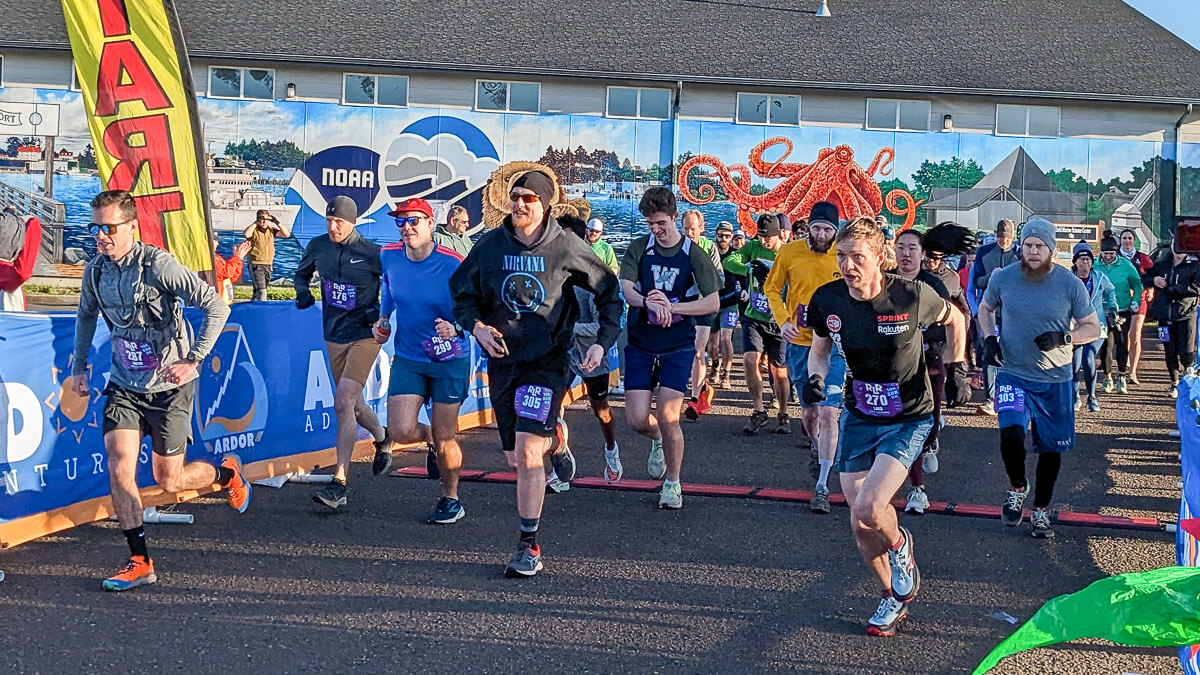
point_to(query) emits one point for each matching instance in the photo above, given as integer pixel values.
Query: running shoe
(554, 485)
(656, 465)
(561, 457)
(929, 458)
(332, 495)
(1172, 390)
(1093, 405)
(820, 501)
(887, 618)
(704, 403)
(1014, 507)
(772, 404)
(448, 510)
(526, 562)
(758, 420)
(1123, 385)
(1133, 379)
(237, 491)
(382, 464)
(613, 470)
(431, 463)
(906, 578)
(1109, 385)
(618, 390)
(783, 424)
(1041, 524)
(986, 408)
(671, 497)
(690, 413)
(717, 380)
(1078, 403)
(138, 571)
(918, 501)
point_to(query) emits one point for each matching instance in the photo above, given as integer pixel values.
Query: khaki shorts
(353, 360)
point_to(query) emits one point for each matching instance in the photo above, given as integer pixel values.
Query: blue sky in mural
(1181, 17)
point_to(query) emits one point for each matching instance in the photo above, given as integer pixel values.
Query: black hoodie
(527, 292)
(1177, 301)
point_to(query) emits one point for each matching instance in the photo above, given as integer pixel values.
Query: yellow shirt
(801, 272)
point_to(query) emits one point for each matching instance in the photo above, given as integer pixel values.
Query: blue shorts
(1047, 407)
(835, 381)
(859, 442)
(444, 382)
(645, 371)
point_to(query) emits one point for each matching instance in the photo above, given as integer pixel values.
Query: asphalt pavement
(727, 584)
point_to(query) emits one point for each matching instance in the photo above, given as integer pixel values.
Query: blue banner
(1187, 531)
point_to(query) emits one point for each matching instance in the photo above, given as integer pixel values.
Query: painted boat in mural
(235, 201)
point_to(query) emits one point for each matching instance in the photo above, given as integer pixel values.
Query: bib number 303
(1009, 398)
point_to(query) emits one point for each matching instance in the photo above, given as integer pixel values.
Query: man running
(760, 333)
(720, 343)
(988, 259)
(668, 282)
(1043, 310)
(876, 321)
(430, 359)
(516, 293)
(702, 391)
(350, 277)
(801, 267)
(138, 289)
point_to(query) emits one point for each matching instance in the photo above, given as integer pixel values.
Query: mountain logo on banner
(231, 395)
(344, 170)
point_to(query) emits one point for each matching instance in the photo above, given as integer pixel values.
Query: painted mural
(292, 157)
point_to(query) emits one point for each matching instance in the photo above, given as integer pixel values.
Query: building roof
(1084, 49)
(1042, 202)
(1017, 172)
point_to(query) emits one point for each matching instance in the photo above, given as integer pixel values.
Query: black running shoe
(758, 420)
(382, 465)
(332, 495)
(561, 457)
(1014, 507)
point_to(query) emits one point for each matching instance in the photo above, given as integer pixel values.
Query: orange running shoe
(704, 403)
(238, 489)
(138, 571)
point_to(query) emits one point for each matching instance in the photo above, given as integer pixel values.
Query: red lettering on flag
(154, 149)
(150, 221)
(113, 17)
(125, 76)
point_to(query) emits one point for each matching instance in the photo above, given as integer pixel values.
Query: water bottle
(385, 328)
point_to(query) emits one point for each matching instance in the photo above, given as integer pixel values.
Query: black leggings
(1180, 349)
(1012, 450)
(1117, 345)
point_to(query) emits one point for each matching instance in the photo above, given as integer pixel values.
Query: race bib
(533, 402)
(878, 399)
(758, 302)
(134, 354)
(439, 349)
(1010, 398)
(1164, 334)
(802, 316)
(338, 294)
(729, 319)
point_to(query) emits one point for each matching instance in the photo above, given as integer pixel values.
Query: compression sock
(137, 542)
(823, 479)
(529, 528)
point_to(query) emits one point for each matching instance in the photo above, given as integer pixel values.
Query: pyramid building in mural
(1016, 188)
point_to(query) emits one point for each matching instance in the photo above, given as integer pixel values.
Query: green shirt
(605, 252)
(459, 243)
(755, 262)
(1125, 280)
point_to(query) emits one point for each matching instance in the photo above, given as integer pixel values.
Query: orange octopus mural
(833, 177)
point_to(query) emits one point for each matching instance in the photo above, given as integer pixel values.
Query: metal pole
(48, 160)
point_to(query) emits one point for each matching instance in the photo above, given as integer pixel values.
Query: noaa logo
(833, 322)
(347, 178)
(522, 292)
(231, 395)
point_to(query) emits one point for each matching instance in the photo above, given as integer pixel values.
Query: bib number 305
(533, 402)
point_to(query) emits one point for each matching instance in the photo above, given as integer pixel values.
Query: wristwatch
(1067, 339)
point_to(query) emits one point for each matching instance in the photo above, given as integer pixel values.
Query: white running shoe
(917, 501)
(889, 615)
(613, 470)
(671, 497)
(656, 465)
(906, 578)
(553, 484)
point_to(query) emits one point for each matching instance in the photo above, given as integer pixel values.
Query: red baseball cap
(409, 205)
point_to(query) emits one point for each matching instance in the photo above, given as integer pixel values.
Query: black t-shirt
(935, 336)
(886, 379)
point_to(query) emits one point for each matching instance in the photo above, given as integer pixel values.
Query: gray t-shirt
(1029, 308)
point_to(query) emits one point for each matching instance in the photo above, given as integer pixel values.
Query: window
(252, 83)
(502, 96)
(384, 90)
(896, 115)
(639, 103)
(1027, 120)
(74, 86)
(768, 109)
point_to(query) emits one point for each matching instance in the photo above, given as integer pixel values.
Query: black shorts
(541, 384)
(708, 320)
(764, 338)
(596, 387)
(165, 416)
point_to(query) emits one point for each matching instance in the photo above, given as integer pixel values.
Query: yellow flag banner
(137, 89)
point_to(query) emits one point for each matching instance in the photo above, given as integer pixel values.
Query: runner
(516, 292)
(1176, 284)
(138, 289)
(989, 258)
(1103, 299)
(1036, 302)
(348, 264)
(760, 333)
(668, 282)
(702, 392)
(1127, 284)
(720, 344)
(1143, 263)
(430, 358)
(801, 267)
(875, 320)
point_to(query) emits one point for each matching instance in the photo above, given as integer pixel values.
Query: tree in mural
(14, 142)
(87, 158)
(952, 173)
(268, 154)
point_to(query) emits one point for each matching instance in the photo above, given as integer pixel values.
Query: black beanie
(541, 184)
(1108, 244)
(768, 225)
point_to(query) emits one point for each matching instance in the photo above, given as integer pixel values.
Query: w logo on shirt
(664, 277)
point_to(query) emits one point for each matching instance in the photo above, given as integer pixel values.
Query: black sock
(529, 528)
(137, 542)
(224, 475)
